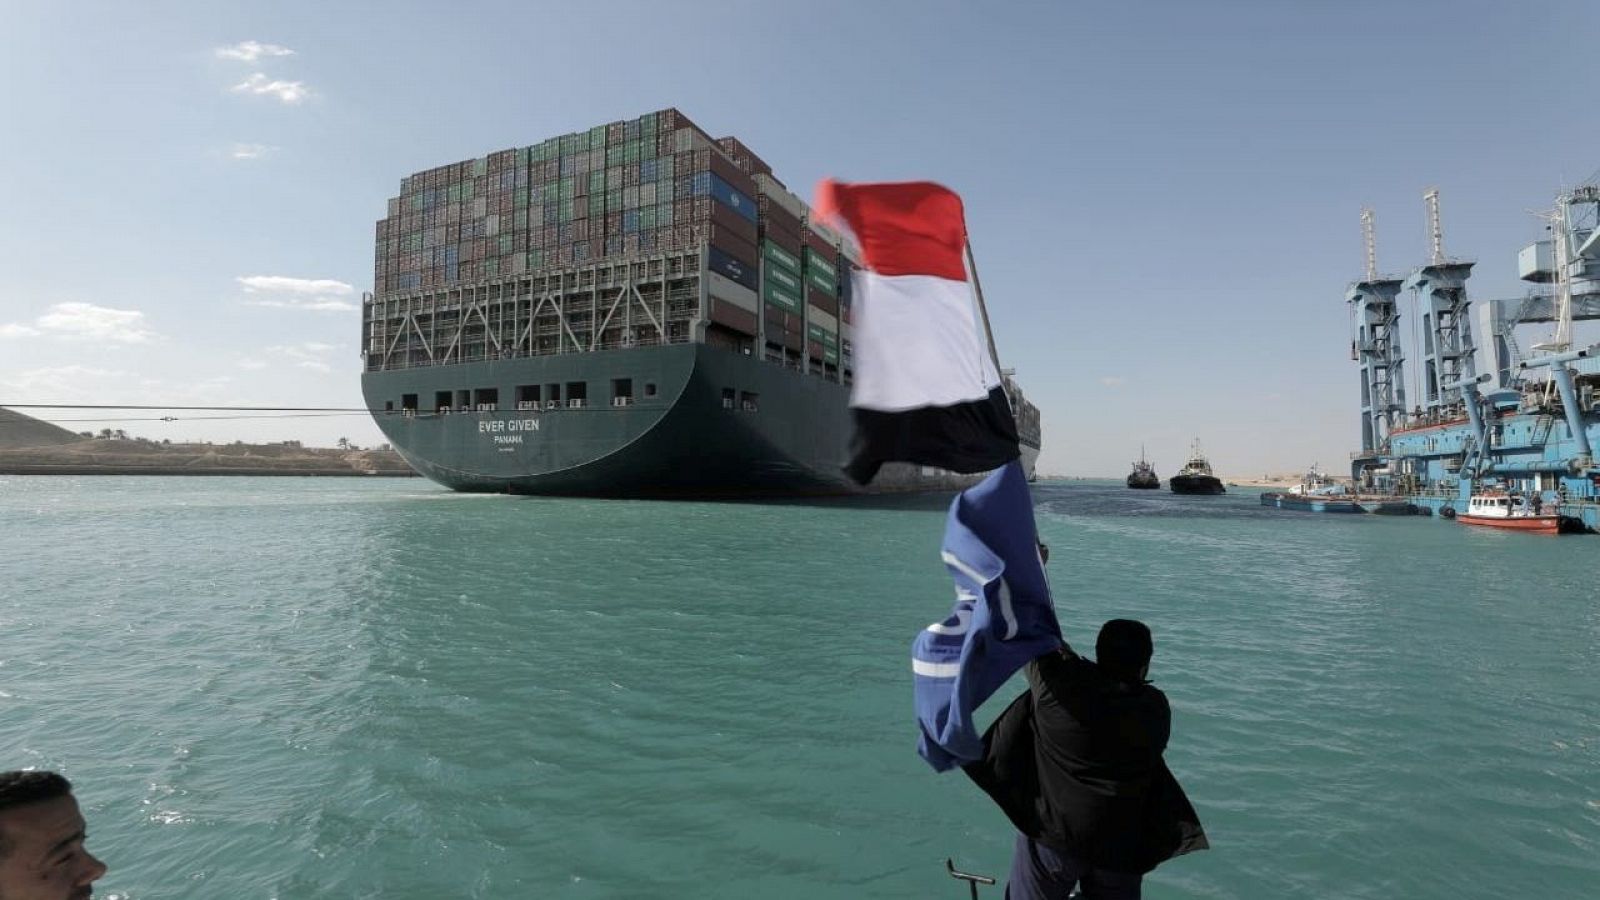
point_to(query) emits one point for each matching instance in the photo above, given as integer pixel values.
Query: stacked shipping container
(627, 190)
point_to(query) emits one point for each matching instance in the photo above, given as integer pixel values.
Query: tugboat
(1143, 477)
(1195, 477)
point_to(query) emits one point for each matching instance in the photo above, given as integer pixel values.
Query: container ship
(638, 309)
(1488, 417)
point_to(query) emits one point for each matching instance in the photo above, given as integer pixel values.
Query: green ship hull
(712, 423)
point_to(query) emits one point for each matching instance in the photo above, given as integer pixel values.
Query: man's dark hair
(1123, 648)
(23, 788)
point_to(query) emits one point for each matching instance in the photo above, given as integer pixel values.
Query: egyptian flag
(926, 389)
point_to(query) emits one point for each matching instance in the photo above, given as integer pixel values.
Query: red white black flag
(926, 390)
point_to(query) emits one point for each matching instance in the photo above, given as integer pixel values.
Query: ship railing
(621, 401)
(577, 403)
(552, 404)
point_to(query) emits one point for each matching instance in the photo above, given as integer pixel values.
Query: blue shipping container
(732, 199)
(647, 171)
(729, 267)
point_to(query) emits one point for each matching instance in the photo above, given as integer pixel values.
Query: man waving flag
(1076, 761)
(927, 391)
(927, 388)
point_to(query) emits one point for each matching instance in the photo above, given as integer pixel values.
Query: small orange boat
(1500, 510)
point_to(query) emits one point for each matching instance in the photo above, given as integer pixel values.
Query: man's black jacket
(1075, 763)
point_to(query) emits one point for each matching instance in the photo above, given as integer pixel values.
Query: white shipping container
(789, 203)
(727, 289)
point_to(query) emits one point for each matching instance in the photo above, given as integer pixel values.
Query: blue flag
(1003, 616)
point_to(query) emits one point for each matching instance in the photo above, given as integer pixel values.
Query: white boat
(1497, 509)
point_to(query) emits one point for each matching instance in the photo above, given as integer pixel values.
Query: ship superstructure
(636, 309)
(1143, 477)
(1196, 477)
(1485, 414)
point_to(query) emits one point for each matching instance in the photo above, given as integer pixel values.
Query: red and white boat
(1501, 510)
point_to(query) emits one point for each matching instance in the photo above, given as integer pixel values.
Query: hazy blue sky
(1163, 197)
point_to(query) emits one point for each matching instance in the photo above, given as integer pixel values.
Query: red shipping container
(822, 301)
(739, 180)
(726, 219)
(734, 246)
(735, 317)
(820, 244)
(785, 239)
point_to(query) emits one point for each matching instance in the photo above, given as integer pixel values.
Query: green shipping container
(829, 354)
(780, 256)
(813, 261)
(814, 331)
(829, 339)
(777, 296)
(821, 282)
(783, 280)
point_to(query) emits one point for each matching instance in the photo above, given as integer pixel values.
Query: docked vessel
(1514, 512)
(633, 310)
(1473, 406)
(1316, 492)
(1195, 477)
(1143, 477)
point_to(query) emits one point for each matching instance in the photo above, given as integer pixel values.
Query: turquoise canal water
(285, 688)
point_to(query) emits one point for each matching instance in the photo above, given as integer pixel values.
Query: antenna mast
(1435, 229)
(1369, 236)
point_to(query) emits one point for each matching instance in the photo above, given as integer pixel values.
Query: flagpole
(983, 310)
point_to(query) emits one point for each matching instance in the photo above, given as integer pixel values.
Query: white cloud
(251, 364)
(252, 151)
(1113, 381)
(64, 384)
(250, 51)
(287, 285)
(283, 292)
(287, 91)
(85, 321)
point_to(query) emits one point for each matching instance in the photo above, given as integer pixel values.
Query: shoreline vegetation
(29, 446)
